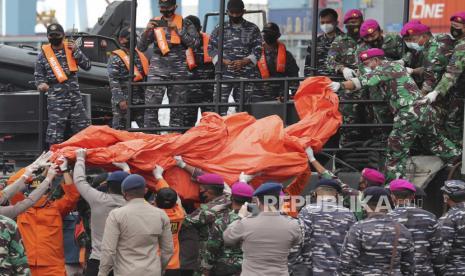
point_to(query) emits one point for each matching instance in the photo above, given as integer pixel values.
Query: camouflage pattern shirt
(369, 246)
(219, 257)
(241, 41)
(325, 225)
(323, 46)
(452, 226)
(342, 53)
(393, 78)
(13, 258)
(426, 237)
(44, 74)
(391, 45)
(454, 77)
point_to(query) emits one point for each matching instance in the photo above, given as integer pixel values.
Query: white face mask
(414, 46)
(327, 28)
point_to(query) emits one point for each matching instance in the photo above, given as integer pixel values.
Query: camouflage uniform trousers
(61, 109)
(411, 122)
(233, 88)
(352, 114)
(164, 70)
(453, 121)
(199, 93)
(381, 113)
(119, 116)
(12, 254)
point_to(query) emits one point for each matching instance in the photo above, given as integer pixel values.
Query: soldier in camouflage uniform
(452, 226)
(168, 62)
(56, 73)
(204, 70)
(328, 24)
(14, 261)
(342, 61)
(377, 245)
(325, 225)
(422, 225)
(241, 51)
(452, 82)
(272, 65)
(118, 75)
(221, 259)
(412, 119)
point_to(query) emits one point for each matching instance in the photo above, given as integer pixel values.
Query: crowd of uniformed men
(224, 235)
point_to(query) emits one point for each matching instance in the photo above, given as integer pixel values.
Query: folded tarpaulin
(224, 145)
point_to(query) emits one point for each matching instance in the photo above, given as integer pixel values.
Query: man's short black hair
(217, 190)
(403, 194)
(196, 21)
(114, 187)
(240, 199)
(329, 12)
(166, 198)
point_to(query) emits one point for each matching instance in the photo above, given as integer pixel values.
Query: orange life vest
(280, 62)
(190, 55)
(125, 58)
(55, 64)
(160, 35)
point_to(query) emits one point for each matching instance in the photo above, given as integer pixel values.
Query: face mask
(203, 197)
(125, 45)
(327, 28)
(414, 46)
(455, 32)
(235, 19)
(353, 30)
(269, 38)
(167, 13)
(56, 41)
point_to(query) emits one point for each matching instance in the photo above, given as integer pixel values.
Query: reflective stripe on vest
(160, 35)
(125, 58)
(280, 62)
(55, 64)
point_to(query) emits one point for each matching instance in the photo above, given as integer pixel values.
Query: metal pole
(406, 11)
(132, 43)
(219, 67)
(40, 145)
(463, 147)
(314, 33)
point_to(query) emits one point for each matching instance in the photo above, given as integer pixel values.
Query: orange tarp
(223, 145)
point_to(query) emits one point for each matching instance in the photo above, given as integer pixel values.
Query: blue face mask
(414, 46)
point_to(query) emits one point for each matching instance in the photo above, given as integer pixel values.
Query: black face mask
(378, 43)
(353, 30)
(456, 32)
(235, 19)
(125, 45)
(270, 38)
(55, 41)
(167, 13)
(203, 197)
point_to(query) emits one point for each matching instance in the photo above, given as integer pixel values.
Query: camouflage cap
(166, 3)
(452, 187)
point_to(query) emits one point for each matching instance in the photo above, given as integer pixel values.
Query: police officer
(325, 225)
(422, 225)
(452, 226)
(118, 74)
(171, 36)
(329, 25)
(202, 68)
(377, 245)
(411, 117)
(220, 259)
(342, 61)
(275, 62)
(56, 73)
(267, 237)
(242, 49)
(452, 82)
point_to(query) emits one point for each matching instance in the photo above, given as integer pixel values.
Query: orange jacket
(176, 215)
(42, 228)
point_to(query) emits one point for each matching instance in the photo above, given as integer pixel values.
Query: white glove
(430, 97)
(243, 212)
(123, 166)
(348, 73)
(158, 172)
(246, 178)
(400, 61)
(64, 163)
(30, 170)
(409, 70)
(51, 173)
(42, 161)
(179, 162)
(81, 154)
(310, 154)
(335, 86)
